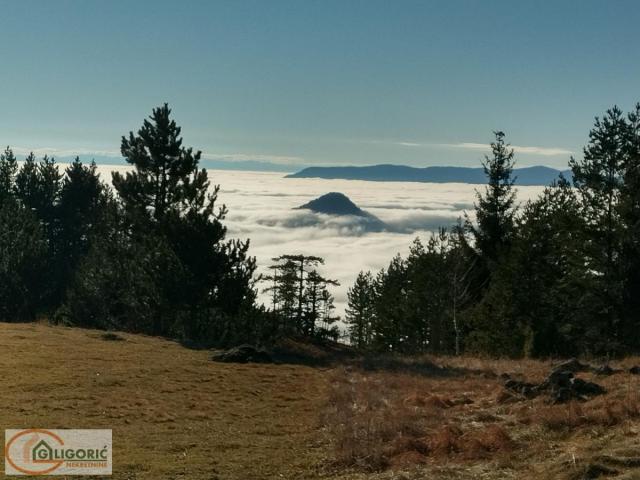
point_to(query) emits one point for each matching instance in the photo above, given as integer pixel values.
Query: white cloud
(545, 151)
(240, 157)
(262, 208)
(232, 157)
(484, 147)
(64, 152)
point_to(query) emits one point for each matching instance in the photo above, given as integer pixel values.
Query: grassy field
(174, 413)
(177, 415)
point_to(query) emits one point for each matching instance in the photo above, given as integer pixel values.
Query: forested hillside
(557, 276)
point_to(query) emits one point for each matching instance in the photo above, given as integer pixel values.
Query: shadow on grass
(422, 366)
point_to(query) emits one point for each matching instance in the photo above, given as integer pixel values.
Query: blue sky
(318, 82)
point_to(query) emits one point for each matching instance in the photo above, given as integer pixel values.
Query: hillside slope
(174, 413)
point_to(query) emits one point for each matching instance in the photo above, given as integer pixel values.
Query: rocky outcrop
(561, 385)
(242, 354)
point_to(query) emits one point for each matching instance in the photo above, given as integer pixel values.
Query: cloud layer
(262, 208)
(485, 147)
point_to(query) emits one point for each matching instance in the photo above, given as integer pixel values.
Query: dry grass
(174, 413)
(389, 419)
(452, 419)
(605, 412)
(177, 415)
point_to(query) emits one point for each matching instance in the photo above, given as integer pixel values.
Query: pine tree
(359, 314)
(599, 178)
(548, 276)
(462, 263)
(27, 183)
(297, 292)
(8, 171)
(535, 305)
(23, 254)
(630, 215)
(121, 284)
(38, 187)
(166, 175)
(169, 198)
(494, 211)
(491, 238)
(390, 332)
(315, 301)
(303, 265)
(82, 215)
(283, 289)
(327, 330)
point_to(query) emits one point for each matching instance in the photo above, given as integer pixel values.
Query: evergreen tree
(390, 331)
(491, 237)
(428, 295)
(359, 314)
(462, 263)
(38, 186)
(23, 254)
(327, 330)
(27, 183)
(300, 266)
(599, 178)
(318, 304)
(8, 171)
(283, 289)
(121, 284)
(299, 296)
(168, 203)
(493, 230)
(166, 177)
(82, 216)
(630, 215)
(535, 304)
(548, 275)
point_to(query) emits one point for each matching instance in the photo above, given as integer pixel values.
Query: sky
(302, 82)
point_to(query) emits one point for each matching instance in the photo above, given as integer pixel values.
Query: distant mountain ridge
(538, 175)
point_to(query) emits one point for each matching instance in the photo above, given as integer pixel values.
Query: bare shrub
(390, 420)
(370, 423)
(472, 445)
(604, 411)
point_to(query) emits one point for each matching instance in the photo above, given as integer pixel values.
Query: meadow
(175, 414)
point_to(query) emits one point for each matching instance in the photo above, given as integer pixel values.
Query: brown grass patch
(174, 413)
(604, 411)
(379, 420)
(453, 419)
(440, 418)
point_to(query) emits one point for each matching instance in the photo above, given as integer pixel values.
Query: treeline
(557, 276)
(149, 255)
(300, 299)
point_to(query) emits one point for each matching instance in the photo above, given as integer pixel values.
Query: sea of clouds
(262, 207)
